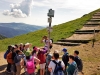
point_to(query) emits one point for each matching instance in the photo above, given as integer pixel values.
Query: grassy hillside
(59, 31)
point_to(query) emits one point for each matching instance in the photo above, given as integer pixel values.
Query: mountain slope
(59, 31)
(2, 37)
(14, 29)
(9, 32)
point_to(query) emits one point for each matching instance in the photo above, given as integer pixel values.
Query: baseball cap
(64, 50)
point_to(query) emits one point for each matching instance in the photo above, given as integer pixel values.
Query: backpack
(79, 63)
(5, 54)
(75, 71)
(16, 59)
(30, 65)
(65, 59)
(48, 58)
(58, 68)
(9, 58)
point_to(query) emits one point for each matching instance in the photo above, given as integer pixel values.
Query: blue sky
(35, 11)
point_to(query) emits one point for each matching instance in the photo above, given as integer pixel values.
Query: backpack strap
(56, 64)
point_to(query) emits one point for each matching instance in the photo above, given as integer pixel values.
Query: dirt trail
(86, 53)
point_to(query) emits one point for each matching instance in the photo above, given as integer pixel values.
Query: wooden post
(49, 34)
(93, 39)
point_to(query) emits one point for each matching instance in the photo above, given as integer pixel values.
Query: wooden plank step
(87, 30)
(67, 44)
(96, 15)
(94, 20)
(92, 24)
(84, 32)
(74, 41)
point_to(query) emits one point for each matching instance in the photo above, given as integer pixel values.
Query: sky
(34, 12)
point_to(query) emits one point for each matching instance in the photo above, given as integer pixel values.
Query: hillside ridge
(15, 29)
(64, 30)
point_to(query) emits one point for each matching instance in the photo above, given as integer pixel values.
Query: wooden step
(74, 41)
(94, 20)
(91, 25)
(87, 30)
(84, 32)
(95, 24)
(96, 15)
(67, 43)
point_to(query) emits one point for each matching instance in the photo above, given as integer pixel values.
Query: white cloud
(65, 10)
(20, 10)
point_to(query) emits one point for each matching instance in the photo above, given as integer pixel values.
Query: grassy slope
(59, 31)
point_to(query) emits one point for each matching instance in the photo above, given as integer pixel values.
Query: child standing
(42, 58)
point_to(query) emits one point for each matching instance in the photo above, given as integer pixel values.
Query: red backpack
(41, 57)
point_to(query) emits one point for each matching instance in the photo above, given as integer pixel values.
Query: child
(78, 61)
(28, 62)
(5, 56)
(52, 67)
(65, 57)
(17, 59)
(42, 58)
(72, 66)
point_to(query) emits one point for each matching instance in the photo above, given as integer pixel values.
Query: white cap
(27, 43)
(21, 43)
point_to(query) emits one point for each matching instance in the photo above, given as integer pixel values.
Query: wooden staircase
(93, 22)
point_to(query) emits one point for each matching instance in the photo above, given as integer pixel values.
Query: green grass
(59, 31)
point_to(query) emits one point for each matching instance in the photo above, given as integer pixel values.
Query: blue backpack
(5, 54)
(58, 68)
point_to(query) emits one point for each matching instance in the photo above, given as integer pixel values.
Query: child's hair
(27, 57)
(34, 47)
(18, 51)
(56, 55)
(16, 45)
(9, 47)
(77, 52)
(34, 51)
(71, 57)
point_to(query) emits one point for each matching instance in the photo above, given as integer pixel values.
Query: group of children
(21, 56)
